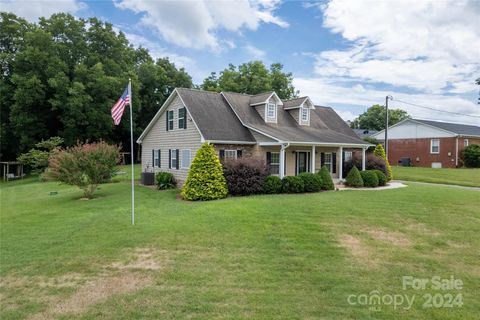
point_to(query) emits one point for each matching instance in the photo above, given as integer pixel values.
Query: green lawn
(263, 257)
(461, 177)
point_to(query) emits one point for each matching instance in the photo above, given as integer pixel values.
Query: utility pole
(386, 124)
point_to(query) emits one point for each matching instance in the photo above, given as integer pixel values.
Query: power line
(438, 110)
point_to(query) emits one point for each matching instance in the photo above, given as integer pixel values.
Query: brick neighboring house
(291, 136)
(428, 143)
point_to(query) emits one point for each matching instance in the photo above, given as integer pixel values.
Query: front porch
(293, 159)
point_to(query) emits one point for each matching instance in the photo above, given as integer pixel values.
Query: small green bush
(471, 156)
(165, 180)
(326, 178)
(205, 180)
(382, 178)
(354, 179)
(380, 152)
(292, 184)
(369, 178)
(272, 184)
(312, 182)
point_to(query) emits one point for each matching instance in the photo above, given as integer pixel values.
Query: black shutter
(334, 162)
(184, 118)
(159, 159)
(168, 112)
(239, 153)
(169, 158)
(284, 164)
(153, 158)
(343, 164)
(269, 158)
(221, 154)
(178, 158)
(296, 162)
(322, 159)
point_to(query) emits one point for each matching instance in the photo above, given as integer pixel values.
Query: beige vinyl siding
(159, 138)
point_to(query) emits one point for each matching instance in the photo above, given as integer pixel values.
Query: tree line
(61, 76)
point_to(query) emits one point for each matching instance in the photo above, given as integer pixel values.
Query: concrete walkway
(390, 185)
(439, 184)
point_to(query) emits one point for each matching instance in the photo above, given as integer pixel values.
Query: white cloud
(32, 10)
(194, 24)
(254, 52)
(324, 92)
(431, 46)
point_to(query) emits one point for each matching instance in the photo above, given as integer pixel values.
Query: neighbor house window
(271, 111)
(435, 146)
(465, 143)
(185, 158)
(304, 114)
(174, 158)
(274, 163)
(230, 154)
(170, 121)
(181, 118)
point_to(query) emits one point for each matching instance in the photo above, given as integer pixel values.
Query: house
(364, 133)
(291, 136)
(427, 143)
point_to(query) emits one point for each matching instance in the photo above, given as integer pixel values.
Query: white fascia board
(230, 142)
(318, 144)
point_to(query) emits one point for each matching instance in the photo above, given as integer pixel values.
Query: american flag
(119, 107)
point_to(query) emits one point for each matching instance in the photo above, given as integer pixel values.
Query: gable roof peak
(263, 98)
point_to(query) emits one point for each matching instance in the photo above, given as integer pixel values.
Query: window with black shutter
(169, 158)
(177, 153)
(334, 162)
(170, 120)
(239, 153)
(181, 118)
(153, 158)
(221, 154)
(159, 158)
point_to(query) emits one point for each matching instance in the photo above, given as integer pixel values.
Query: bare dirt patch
(357, 249)
(142, 258)
(421, 228)
(393, 237)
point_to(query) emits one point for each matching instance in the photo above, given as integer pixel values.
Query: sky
(345, 54)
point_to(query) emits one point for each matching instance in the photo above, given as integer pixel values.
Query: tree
(37, 158)
(205, 180)
(85, 165)
(380, 152)
(374, 118)
(252, 77)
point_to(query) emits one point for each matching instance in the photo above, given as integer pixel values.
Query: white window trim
(466, 143)
(274, 118)
(309, 156)
(431, 146)
(155, 157)
(172, 153)
(330, 167)
(178, 117)
(173, 120)
(350, 157)
(276, 164)
(307, 121)
(189, 158)
(230, 150)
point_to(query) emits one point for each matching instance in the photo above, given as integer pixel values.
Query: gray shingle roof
(462, 129)
(259, 98)
(214, 118)
(326, 126)
(362, 133)
(293, 102)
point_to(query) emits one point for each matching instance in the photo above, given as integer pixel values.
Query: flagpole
(131, 148)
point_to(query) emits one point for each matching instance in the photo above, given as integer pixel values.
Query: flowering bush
(84, 165)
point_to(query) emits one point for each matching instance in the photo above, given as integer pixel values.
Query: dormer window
(271, 111)
(305, 115)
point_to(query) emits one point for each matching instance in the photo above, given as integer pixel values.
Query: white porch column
(282, 162)
(340, 164)
(312, 159)
(363, 159)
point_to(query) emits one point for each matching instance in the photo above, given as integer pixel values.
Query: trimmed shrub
(369, 178)
(165, 180)
(272, 184)
(205, 180)
(245, 176)
(326, 178)
(380, 152)
(382, 178)
(312, 182)
(292, 184)
(37, 158)
(372, 162)
(84, 165)
(354, 179)
(471, 156)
